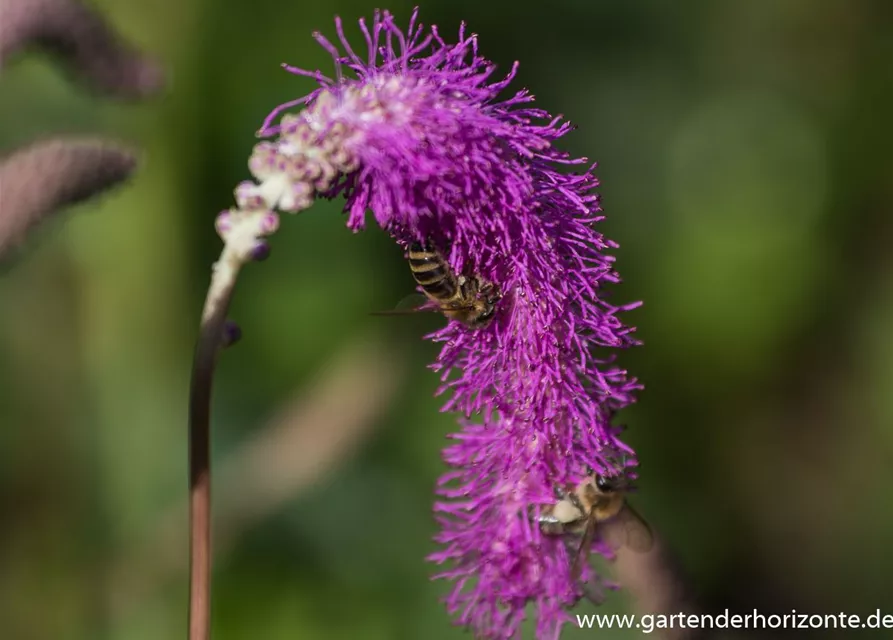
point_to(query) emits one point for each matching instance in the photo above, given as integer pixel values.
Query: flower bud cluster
(311, 151)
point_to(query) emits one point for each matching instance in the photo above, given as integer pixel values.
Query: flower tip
(261, 251)
(232, 333)
(223, 222)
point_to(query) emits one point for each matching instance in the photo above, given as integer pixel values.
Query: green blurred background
(745, 153)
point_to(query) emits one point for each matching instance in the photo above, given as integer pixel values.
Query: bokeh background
(744, 150)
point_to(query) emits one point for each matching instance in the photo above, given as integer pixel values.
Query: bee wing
(415, 303)
(418, 303)
(628, 529)
(400, 312)
(582, 553)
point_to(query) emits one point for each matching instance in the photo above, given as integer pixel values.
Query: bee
(469, 299)
(596, 505)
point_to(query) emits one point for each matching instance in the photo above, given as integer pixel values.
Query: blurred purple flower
(423, 138)
(48, 175)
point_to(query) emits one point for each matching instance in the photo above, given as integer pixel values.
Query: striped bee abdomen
(432, 273)
(468, 299)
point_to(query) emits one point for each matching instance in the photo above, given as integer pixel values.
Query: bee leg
(594, 593)
(591, 589)
(570, 496)
(488, 291)
(548, 523)
(575, 500)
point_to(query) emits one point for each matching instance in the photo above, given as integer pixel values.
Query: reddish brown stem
(209, 342)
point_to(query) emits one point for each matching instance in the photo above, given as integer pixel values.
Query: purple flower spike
(422, 134)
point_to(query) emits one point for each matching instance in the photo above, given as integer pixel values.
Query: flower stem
(210, 339)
